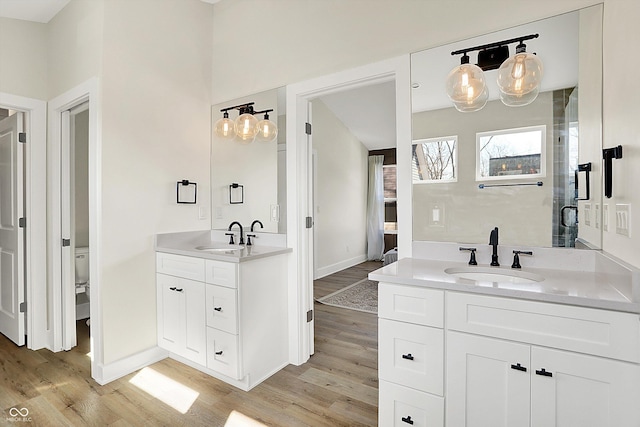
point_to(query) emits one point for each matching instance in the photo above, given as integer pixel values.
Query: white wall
(156, 85)
(74, 45)
(340, 217)
(81, 178)
(467, 213)
(621, 124)
(299, 40)
(23, 58)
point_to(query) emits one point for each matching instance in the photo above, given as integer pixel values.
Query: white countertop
(187, 242)
(588, 289)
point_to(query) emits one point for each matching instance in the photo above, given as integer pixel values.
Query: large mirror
(248, 178)
(513, 167)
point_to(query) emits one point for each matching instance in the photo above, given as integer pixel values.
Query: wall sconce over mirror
(246, 128)
(519, 76)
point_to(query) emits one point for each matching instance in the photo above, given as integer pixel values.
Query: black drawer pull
(217, 308)
(544, 373)
(219, 353)
(172, 289)
(178, 289)
(407, 420)
(518, 367)
(408, 357)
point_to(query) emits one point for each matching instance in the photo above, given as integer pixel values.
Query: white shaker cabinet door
(181, 317)
(570, 389)
(488, 382)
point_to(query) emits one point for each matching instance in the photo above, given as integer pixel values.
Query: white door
(569, 389)
(12, 321)
(487, 382)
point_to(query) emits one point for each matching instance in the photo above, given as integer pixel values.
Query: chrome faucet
(241, 242)
(493, 241)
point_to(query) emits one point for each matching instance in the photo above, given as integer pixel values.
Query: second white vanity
(222, 309)
(564, 351)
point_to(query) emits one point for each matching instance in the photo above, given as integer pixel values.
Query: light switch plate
(587, 214)
(597, 215)
(605, 217)
(623, 219)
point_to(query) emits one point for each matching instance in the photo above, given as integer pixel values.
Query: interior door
(12, 320)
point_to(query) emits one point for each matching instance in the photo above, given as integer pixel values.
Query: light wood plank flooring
(337, 387)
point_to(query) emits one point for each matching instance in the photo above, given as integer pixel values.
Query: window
(435, 160)
(511, 153)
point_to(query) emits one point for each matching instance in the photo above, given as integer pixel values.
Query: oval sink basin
(487, 274)
(219, 249)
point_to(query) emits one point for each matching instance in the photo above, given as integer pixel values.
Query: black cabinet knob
(219, 353)
(407, 356)
(217, 308)
(407, 420)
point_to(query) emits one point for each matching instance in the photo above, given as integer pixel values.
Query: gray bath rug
(361, 296)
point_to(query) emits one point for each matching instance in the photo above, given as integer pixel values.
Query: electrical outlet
(605, 217)
(623, 219)
(587, 214)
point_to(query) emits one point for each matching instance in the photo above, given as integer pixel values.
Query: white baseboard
(321, 272)
(104, 374)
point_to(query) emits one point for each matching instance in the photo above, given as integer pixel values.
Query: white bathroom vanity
(560, 349)
(222, 309)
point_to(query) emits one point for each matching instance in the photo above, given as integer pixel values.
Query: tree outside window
(435, 160)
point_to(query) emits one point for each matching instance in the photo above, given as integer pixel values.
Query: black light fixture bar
(496, 44)
(242, 107)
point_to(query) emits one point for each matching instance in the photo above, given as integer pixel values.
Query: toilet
(82, 283)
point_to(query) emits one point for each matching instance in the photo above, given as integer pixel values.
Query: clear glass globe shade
(520, 74)
(225, 128)
(475, 104)
(267, 131)
(246, 127)
(519, 100)
(465, 83)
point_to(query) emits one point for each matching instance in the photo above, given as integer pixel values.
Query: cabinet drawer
(222, 353)
(222, 312)
(180, 266)
(221, 273)
(586, 330)
(412, 355)
(401, 407)
(411, 304)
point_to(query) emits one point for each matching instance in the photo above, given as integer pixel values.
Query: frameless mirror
(512, 167)
(248, 179)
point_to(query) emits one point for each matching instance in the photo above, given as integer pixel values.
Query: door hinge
(23, 307)
(22, 222)
(22, 137)
(309, 316)
(66, 242)
(309, 223)
(307, 128)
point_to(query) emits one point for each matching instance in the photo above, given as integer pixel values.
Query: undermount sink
(220, 249)
(490, 274)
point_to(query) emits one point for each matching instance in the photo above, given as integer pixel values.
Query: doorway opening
(299, 164)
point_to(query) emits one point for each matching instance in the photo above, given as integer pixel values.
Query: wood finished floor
(337, 387)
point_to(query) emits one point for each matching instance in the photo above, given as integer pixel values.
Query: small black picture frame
(186, 192)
